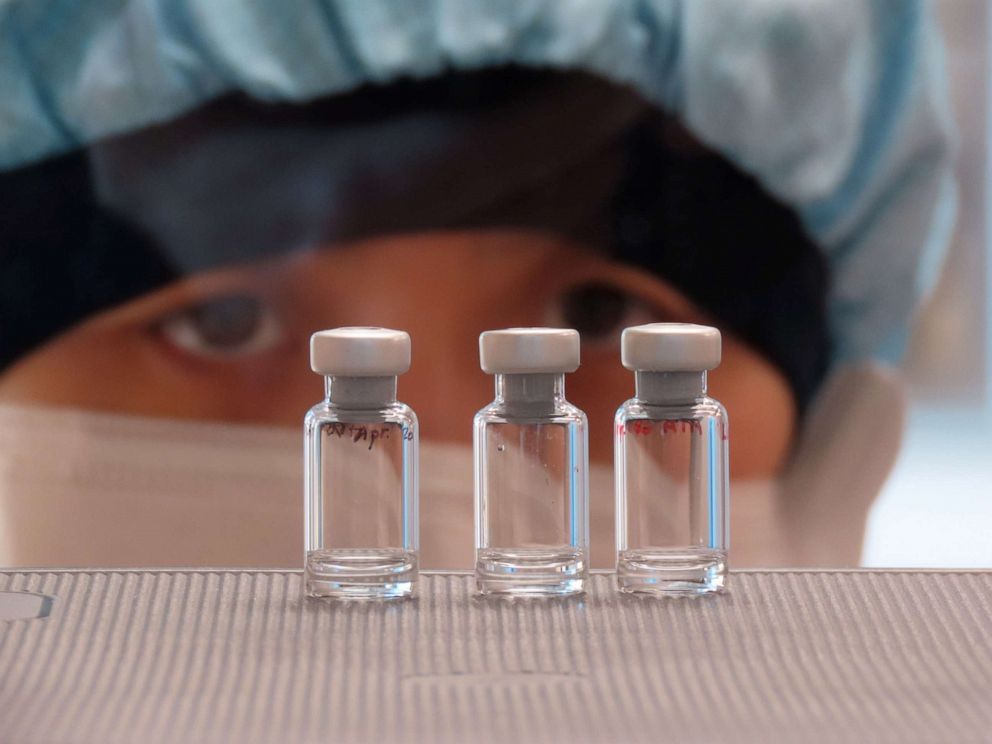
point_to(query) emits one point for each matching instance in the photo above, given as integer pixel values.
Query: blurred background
(186, 196)
(936, 509)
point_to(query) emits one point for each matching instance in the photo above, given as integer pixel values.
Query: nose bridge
(445, 384)
(439, 293)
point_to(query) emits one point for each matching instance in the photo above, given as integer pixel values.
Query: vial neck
(669, 387)
(360, 392)
(530, 394)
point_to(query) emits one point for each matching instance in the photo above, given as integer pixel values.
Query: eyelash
(188, 330)
(627, 308)
(588, 307)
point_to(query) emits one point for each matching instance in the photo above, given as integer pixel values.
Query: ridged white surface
(218, 656)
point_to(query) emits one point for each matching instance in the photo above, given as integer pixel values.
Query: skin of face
(443, 288)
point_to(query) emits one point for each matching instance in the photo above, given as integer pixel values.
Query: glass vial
(671, 464)
(531, 472)
(361, 531)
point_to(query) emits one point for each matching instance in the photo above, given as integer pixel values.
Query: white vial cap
(360, 352)
(670, 347)
(529, 350)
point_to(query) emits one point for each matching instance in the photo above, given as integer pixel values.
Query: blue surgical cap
(838, 107)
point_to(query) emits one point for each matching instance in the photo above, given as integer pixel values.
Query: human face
(231, 345)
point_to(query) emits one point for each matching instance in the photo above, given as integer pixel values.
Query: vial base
(531, 572)
(675, 573)
(346, 573)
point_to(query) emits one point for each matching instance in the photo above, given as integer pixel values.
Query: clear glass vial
(531, 472)
(361, 529)
(671, 467)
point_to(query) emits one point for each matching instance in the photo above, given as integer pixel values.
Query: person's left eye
(599, 311)
(223, 328)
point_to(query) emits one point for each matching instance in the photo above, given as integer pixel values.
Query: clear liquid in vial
(532, 509)
(671, 516)
(361, 573)
(362, 531)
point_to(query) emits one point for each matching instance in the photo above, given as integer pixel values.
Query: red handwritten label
(642, 428)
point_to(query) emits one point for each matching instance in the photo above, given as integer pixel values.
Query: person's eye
(223, 328)
(599, 311)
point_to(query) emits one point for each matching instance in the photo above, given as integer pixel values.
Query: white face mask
(86, 489)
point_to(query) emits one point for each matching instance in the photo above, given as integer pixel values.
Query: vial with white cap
(361, 529)
(531, 454)
(671, 467)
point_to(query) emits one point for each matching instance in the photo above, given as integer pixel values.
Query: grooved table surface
(238, 656)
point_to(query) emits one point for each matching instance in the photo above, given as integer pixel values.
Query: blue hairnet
(837, 106)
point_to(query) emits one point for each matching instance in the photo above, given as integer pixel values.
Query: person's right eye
(223, 328)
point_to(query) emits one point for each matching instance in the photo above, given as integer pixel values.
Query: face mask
(88, 489)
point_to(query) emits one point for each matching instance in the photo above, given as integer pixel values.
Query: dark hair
(739, 253)
(62, 256)
(683, 213)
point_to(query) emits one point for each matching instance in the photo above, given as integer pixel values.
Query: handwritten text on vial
(362, 433)
(645, 428)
